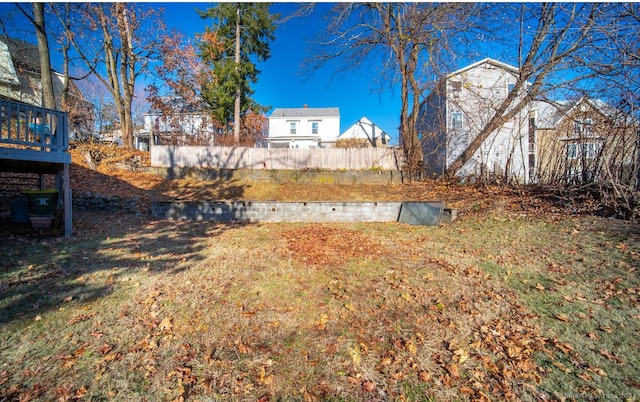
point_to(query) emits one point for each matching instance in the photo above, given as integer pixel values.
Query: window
(314, 127)
(532, 130)
(293, 127)
(588, 150)
(586, 127)
(583, 127)
(456, 88)
(456, 120)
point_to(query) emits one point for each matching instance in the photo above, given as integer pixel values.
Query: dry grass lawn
(513, 301)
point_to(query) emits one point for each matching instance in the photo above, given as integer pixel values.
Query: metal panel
(421, 213)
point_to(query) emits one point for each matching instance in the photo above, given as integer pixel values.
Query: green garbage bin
(42, 202)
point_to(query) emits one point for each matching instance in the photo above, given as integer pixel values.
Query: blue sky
(280, 83)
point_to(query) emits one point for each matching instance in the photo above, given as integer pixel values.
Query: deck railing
(29, 127)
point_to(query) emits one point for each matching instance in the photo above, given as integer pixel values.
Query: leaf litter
(376, 309)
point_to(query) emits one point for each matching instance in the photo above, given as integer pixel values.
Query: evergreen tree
(244, 30)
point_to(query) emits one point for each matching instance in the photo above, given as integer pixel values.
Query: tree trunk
(48, 98)
(127, 75)
(236, 109)
(64, 96)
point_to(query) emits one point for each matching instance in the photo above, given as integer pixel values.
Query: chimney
(306, 106)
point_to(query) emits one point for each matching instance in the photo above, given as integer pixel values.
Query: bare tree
(38, 21)
(406, 42)
(554, 57)
(126, 38)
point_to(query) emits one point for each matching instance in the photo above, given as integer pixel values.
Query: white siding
(482, 90)
(328, 130)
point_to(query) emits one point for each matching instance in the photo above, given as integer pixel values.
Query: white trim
(488, 60)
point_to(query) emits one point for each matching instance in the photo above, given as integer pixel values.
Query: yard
(513, 301)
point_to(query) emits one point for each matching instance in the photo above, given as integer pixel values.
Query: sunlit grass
(302, 311)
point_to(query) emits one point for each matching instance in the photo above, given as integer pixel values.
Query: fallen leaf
(453, 370)
(425, 376)
(166, 324)
(321, 324)
(466, 390)
(110, 357)
(242, 348)
(562, 318)
(561, 367)
(81, 393)
(368, 386)
(598, 371)
(565, 347)
(585, 377)
(407, 297)
(462, 354)
(609, 355)
(106, 348)
(68, 363)
(355, 356)
(80, 318)
(269, 379)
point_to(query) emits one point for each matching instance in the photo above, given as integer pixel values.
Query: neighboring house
(304, 127)
(579, 141)
(20, 81)
(459, 107)
(364, 133)
(176, 123)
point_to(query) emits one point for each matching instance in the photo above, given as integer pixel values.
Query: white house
(366, 134)
(460, 107)
(304, 127)
(179, 123)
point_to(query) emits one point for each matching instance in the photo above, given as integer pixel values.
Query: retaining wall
(275, 211)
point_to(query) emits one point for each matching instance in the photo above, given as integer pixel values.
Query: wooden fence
(217, 157)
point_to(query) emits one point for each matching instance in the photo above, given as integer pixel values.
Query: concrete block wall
(275, 211)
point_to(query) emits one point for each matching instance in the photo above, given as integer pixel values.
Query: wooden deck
(36, 140)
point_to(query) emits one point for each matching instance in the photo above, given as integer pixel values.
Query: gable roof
(496, 63)
(24, 55)
(20, 66)
(551, 113)
(365, 129)
(306, 112)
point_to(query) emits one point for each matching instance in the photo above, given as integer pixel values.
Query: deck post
(68, 207)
